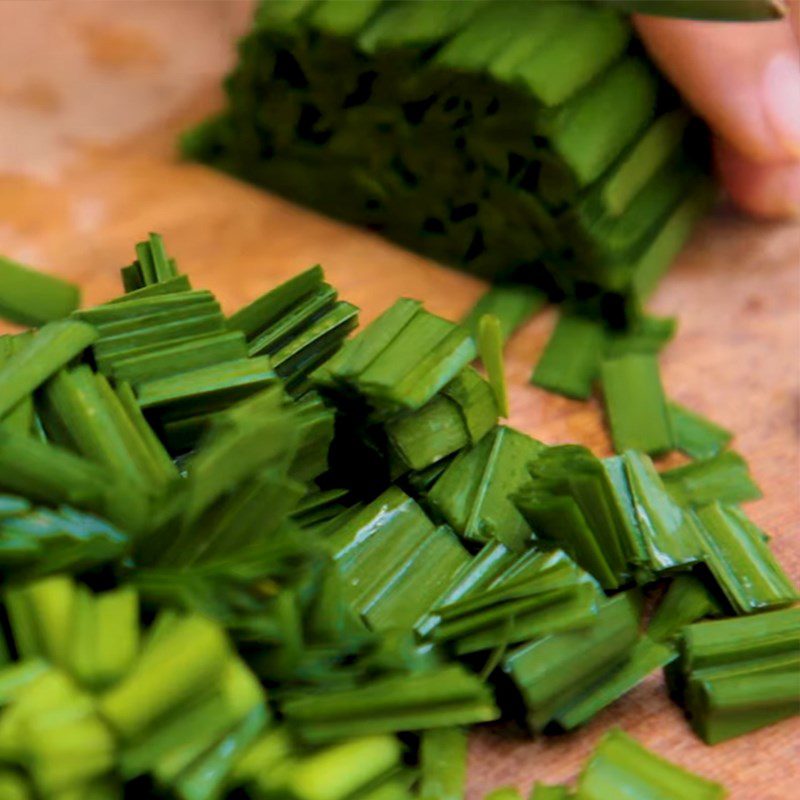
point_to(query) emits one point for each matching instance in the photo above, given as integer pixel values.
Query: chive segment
(490, 350)
(571, 360)
(30, 297)
(50, 348)
(635, 404)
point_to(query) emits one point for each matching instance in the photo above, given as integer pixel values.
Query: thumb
(742, 78)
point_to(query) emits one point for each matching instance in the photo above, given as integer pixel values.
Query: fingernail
(781, 98)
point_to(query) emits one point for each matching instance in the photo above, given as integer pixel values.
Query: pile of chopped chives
(253, 556)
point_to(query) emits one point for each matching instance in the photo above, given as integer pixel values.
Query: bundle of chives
(471, 133)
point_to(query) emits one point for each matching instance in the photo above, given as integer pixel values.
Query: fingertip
(742, 78)
(771, 191)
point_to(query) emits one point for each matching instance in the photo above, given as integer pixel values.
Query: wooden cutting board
(92, 96)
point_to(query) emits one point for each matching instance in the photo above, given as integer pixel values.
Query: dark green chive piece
(571, 360)
(551, 679)
(687, 600)
(741, 562)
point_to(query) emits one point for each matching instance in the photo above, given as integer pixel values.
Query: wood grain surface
(92, 95)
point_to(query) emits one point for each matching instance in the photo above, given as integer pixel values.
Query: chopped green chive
(473, 494)
(436, 698)
(740, 561)
(695, 435)
(443, 758)
(490, 350)
(735, 676)
(49, 349)
(571, 360)
(29, 297)
(724, 478)
(687, 600)
(551, 680)
(635, 404)
(622, 763)
(512, 304)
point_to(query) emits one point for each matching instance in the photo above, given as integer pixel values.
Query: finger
(743, 78)
(766, 190)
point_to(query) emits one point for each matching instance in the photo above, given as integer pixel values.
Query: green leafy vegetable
(635, 404)
(512, 304)
(30, 297)
(571, 360)
(738, 675)
(490, 350)
(623, 763)
(695, 435)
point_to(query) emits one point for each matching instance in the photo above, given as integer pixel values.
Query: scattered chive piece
(621, 762)
(513, 305)
(473, 493)
(687, 600)
(50, 348)
(30, 297)
(542, 593)
(443, 760)
(437, 698)
(571, 501)
(648, 335)
(695, 435)
(635, 404)
(724, 478)
(551, 680)
(571, 360)
(646, 657)
(490, 350)
(544, 792)
(735, 676)
(503, 793)
(670, 537)
(740, 561)
(184, 356)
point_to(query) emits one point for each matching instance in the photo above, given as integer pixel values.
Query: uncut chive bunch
(524, 139)
(251, 555)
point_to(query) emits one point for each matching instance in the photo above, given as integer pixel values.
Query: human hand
(744, 80)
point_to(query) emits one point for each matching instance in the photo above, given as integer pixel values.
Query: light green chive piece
(512, 304)
(571, 359)
(50, 349)
(30, 297)
(490, 350)
(443, 760)
(724, 478)
(696, 435)
(623, 766)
